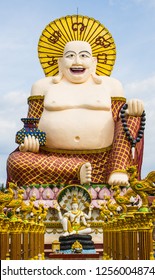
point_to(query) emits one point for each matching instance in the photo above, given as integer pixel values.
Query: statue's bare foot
(118, 178)
(66, 233)
(85, 173)
(72, 232)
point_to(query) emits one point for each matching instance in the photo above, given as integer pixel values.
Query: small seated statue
(74, 221)
(80, 113)
(76, 247)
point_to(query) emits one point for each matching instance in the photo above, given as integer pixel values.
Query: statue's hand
(31, 144)
(91, 207)
(87, 225)
(56, 206)
(118, 178)
(135, 107)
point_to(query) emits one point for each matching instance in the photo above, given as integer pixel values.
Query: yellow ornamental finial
(74, 199)
(76, 245)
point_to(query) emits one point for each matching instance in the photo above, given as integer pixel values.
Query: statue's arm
(135, 106)
(83, 218)
(57, 207)
(89, 213)
(120, 156)
(41, 86)
(36, 99)
(35, 109)
(35, 106)
(60, 215)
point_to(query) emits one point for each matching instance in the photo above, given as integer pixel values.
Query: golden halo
(72, 28)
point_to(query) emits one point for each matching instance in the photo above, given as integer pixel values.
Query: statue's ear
(94, 63)
(60, 63)
(95, 59)
(58, 78)
(97, 79)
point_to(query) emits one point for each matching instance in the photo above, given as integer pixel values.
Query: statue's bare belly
(77, 119)
(77, 129)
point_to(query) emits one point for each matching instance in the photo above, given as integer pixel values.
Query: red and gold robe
(51, 166)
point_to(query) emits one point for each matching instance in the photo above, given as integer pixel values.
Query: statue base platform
(81, 256)
(66, 242)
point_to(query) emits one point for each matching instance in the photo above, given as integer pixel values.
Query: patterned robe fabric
(47, 167)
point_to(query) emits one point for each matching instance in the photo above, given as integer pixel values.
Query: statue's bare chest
(77, 96)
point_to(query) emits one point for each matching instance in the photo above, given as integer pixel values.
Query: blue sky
(132, 24)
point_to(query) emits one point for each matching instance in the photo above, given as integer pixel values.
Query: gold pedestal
(16, 228)
(25, 246)
(4, 238)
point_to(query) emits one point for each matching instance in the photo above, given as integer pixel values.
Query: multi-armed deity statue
(74, 201)
(78, 106)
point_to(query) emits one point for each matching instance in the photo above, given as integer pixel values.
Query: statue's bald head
(77, 46)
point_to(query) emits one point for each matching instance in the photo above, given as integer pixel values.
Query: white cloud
(150, 3)
(13, 46)
(14, 107)
(14, 98)
(3, 159)
(126, 4)
(4, 125)
(145, 90)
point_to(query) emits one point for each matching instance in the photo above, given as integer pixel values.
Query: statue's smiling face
(77, 63)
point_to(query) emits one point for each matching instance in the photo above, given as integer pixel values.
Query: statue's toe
(85, 173)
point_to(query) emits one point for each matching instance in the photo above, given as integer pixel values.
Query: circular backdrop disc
(72, 28)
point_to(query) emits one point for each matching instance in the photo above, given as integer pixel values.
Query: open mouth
(77, 70)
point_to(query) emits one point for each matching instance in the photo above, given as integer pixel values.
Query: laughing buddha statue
(78, 106)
